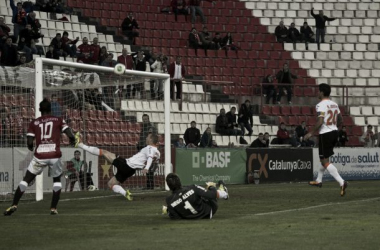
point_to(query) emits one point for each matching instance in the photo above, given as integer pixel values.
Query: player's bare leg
(110, 157)
(114, 184)
(29, 177)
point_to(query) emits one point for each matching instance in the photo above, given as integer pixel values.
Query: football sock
(19, 192)
(118, 189)
(222, 194)
(321, 170)
(334, 173)
(91, 150)
(56, 194)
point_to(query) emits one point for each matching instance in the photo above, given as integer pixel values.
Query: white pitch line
(317, 206)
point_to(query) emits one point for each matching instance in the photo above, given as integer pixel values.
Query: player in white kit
(126, 167)
(329, 119)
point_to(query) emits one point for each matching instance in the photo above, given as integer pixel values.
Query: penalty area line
(313, 207)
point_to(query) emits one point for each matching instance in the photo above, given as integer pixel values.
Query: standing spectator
(293, 34)
(8, 53)
(4, 31)
(222, 125)
(228, 43)
(84, 51)
(218, 41)
(103, 55)
(301, 132)
(128, 27)
(157, 67)
(283, 136)
(51, 53)
(342, 137)
(320, 24)
(140, 65)
(56, 109)
(206, 140)
(179, 7)
(195, 9)
(68, 45)
(21, 61)
(368, 138)
(307, 34)
(192, 136)
(259, 142)
(284, 76)
(109, 62)
(195, 41)
(177, 73)
(125, 59)
(95, 51)
(269, 89)
(281, 33)
(245, 119)
(232, 124)
(18, 18)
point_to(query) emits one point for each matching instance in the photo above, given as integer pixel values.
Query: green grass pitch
(265, 216)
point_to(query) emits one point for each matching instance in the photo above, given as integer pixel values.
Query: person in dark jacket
(320, 24)
(283, 136)
(206, 140)
(301, 131)
(284, 76)
(281, 33)
(259, 142)
(8, 53)
(195, 41)
(342, 137)
(293, 34)
(192, 136)
(228, 43)
(179, 7)
(245, 119)
(307, 34)
(221, 126)
(269, 89)
(232, 121)
(18, 18)
(267, 139)
(128, 26)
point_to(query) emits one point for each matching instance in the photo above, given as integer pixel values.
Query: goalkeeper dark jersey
(193, 202)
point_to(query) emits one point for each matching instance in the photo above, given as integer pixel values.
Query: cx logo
(262, 162)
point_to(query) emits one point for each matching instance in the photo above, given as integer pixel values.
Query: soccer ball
(119, 69)
(91, 188)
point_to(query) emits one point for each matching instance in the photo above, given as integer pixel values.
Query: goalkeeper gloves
(164, 210)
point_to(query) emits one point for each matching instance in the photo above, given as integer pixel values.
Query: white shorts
(36, 166)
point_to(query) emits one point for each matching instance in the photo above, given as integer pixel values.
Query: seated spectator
(293, 34)
(269, 89)
(285, 79)
(177, 73)
(34, 22)
(125, 59)
(368, 138)
(206, 140)
(4, 31)
(103, 55)
(21, 61)
(218, 41)
(56, 109)
(206, 39)
(57, 43)
(18, 18)
(301, 132)
(307, 34)
(95, 51)
(267, 138)
(195, 41)
(179, 7)
(180, 143)
(192, 136)
(259, 142)
(128, 27)
(342, 137)
(68, 45)
(8, 53)
(51, 53)
(283, 136)
(281, 33)
(84, 51)
(293, 135)
(222, 126)
(215, 145)
(228, 43)
(25, 39)
(232, 122)
(109, 62)
(245, 119)
(36, 49)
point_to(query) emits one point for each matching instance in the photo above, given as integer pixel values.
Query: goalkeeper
(126, 167)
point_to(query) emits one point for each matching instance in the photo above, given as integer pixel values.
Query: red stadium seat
(311, 121)
(124, 127)
(357, 131)
(116, 116)
(267, 110)
(305, 110)
(116, 127)
(276, 110)
(283, 119)
(295, 110)
(293, 120)
(123, 139)
(106, 139)
(354, 142)
(347, 121)
(115, 140)
(285, 110)
(99, 126)
(90, 139)
(138, 128)
(90, 126)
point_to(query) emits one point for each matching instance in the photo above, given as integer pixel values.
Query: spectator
(294, 136)
(125, 59)
(34, 22)
(206, 140)
(222, 125)
(281, 33)
(21, 61)
(180, 143)
(215, 145)
(368, 138)
(158, 89)
(283, 136)
(140, 65)
(192, 136)
(25, 40)
(269, 89)
(84, 51)
(206, 39)
(4, 31)
(103, 55)
(8, 53)
(41, 5)
(68, 45)
(267, 139)
(109, 62)
(95, 51)
(195, 9)
(36, 49)
(307, 34)
(245, 119)
(18, 18)
(128, 27)
(293, 34)
(218, 41)
(56, 109)
(177, 73)
(259, 142)
(75, 173)
(179, 7)
(342, 137)
(195, 41)
(232, 124)
(228, 42)
(285, 77)
(57, 43)
(301, 132)
(51, 53)
(320, 24)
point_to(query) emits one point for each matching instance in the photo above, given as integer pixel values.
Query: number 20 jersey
(329, 110)
(47, 132)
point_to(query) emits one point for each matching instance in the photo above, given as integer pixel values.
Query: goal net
(93, 101)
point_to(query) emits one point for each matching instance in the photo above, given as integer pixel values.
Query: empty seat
(359, 120)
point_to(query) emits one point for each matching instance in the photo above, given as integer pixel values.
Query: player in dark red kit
(46, 130)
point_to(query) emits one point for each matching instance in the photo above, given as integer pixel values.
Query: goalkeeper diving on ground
(143, 160)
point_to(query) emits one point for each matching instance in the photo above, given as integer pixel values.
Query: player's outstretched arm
(29, 142)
